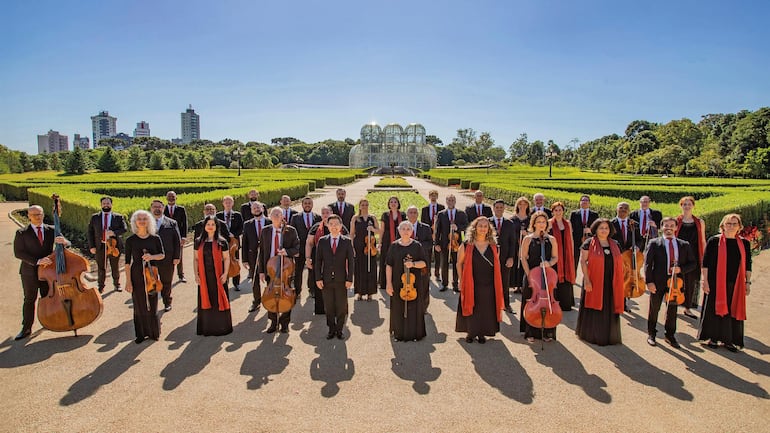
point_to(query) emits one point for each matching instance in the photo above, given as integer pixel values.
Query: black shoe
(516, 290)
(689, 314)
(482, 339)
(330, 335)
(368, 298)
(118, 289)
(168, 308)
(509, 309)
(455, 289)
(469, 339)
(651, 340)
(182, 279)
(284, 329)
(139, 340)
(672, 341)
(731, 348)
(713, 344)
(101, 289)
(272, 328)
(254, 307)
(23, 334)
(626, 308)
(237, 289)
(340, 336)
(443, 289)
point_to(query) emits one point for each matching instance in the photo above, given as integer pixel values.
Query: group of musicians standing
(486, 253)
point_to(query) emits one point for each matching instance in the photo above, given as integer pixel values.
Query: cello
(69, 304)
(235, 268)
(279, 295)
(542, 310)
(633, 280)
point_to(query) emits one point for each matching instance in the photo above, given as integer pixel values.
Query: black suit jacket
(198, 230)
(290, 243)
(424, 236)
(546, 210)
(506, 239)
(298, 222)
(655, 215)
(117, 225)
(443, 226)
(329, 267)
(292, 212)
(425, 214)
(250, 240)
(576, 220)
(27, 248)
(633, 228)
(236, 222)
(656, 261)
(180, 216)
(347, 214)
(246, 210)
(171, 240)
(470, 211)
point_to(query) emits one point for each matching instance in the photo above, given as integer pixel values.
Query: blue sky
(320, 69)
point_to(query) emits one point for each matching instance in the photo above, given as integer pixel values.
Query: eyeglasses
(732, 224)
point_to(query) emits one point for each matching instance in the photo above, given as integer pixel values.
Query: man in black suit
(303, 221)
(210, 210)
(168, 231)
(478, 208)
(234, 223)
(626, 229)
(333, 270)
(665, 255)
(506, 242)
(286, 210)
(449, 221)
(423, 234)
(343, 209)
(277, 241)
(648, 219)
(539, 205)
(252, 230)
(253, 196)
(581, 221)
(428, 216)
(32, 245)
(103, 226)
(178, 214)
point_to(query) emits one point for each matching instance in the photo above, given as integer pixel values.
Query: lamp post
(550, 155)
(237, 152)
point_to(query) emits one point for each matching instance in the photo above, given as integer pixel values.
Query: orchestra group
(536, 252)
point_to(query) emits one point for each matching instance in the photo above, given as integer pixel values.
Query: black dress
(411, 327)
(594, 326)
(386, 221)
(689, 232)
(483, 321)
(726, 329)
(563, 293)
(365, 281)
(212, 321)
(146, 322)
(517, 272)
(526, 291)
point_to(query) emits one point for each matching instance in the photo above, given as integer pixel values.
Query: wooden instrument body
(111, 247)
(370, 245)
(235, 268)
(408, 291)
(454, 241)
(542, 309)
(633, 280)
(152, 283)
(675, 294)
(279, 295)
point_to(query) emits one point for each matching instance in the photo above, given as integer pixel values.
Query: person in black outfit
(693, 230)
(428, 216)
(562, 232)
(286, 210)
(234, 223)
(345, 210)
(103, 226)
(520, 220)
(141, 247)
(407, 318)
(333, 268)
(539, 205)
(277, 239)
(32, 245)
(422, 234)
(506, 242)
(178, 214)
(449, 221)
(581, 221)
(211, 261)
(478, 208)
(663, 257)
(303, 222)
(389, 232)
(315, 234)
(168, 231)
(364, 226)
(253, 196)
(252, 230)
(648, 220)
(531, 253)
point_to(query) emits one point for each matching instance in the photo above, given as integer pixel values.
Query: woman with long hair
(520, 221)
(389, 232)
(363, 230)
(531, 248)
(211, 263)
(692, 229)
(561, 230)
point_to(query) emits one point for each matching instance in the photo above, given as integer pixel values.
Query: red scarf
(738, 306)
(699, 229)
(393, 225)
(595, 298)
(224, 303)
(564, 268)
(318, 233)
(466, 288)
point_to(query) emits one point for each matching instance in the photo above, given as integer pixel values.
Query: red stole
(224, 303)
(738, 306)
(595, 298)
(699, 229)
(466, 286)
(393, 225)
(318, 233)
(564, 268)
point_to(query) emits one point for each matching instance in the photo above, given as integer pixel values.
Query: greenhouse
(393, 146)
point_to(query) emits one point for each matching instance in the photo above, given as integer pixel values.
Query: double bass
(542, 309)
(633, 280)
(279, 295)
(69, 304)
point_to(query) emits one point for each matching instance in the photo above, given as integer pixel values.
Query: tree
(39, 162)
(519, 147)
(249, 159)
(535, 153)
(638, 126)
(433, 140)
(75, 163)
(483, 142)
(136, 161)
(284, 141)
(683, 133)
(54, 162)
(25, 162)
(156, 161)
(444, 156)
(174, 162)
(109, 162)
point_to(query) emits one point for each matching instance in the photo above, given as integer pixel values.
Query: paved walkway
(252, 381)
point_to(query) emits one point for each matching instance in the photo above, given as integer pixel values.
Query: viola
(235, 268)
(542, 309)
(111, 247)
(454, 241)
(279, 295)
(370, 245)
(69, 304)
(633, 280)
(675, 284)
(151, 275)
(408, 291)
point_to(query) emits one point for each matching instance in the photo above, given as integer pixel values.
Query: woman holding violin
(211, 262)
(532, 247)
(601, 300)
(561, 230)
(405, 257)
(481, 286)
(144, 246)
(363, 230)
(389, 232)
(692, 229)
(726, 281)
(520, 221)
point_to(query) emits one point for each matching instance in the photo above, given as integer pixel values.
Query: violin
(235, 268)
(370, 243)
(408, 279)
(675, 284)
(454, 241)
(279, 295)
(111, 247)
(542, 309)
(69, 304)
(151, 275)
(633, 280)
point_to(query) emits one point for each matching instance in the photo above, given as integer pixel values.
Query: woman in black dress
(211, 262)
(389, 232)
(726, 281)
(407, 322)
(480, 306)
(692, 229)
(530, 258)
(143, 246)
(561, 230)
(364, 227)
(601, 300)
(520, 226)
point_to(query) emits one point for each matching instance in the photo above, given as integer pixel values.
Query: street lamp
(550, 155)
(237, 153)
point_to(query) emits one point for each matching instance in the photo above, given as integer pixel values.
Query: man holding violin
(167, 230)
(450, 224)
(277, 239)
(334, 269)
(105, 241)
(666, 257)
